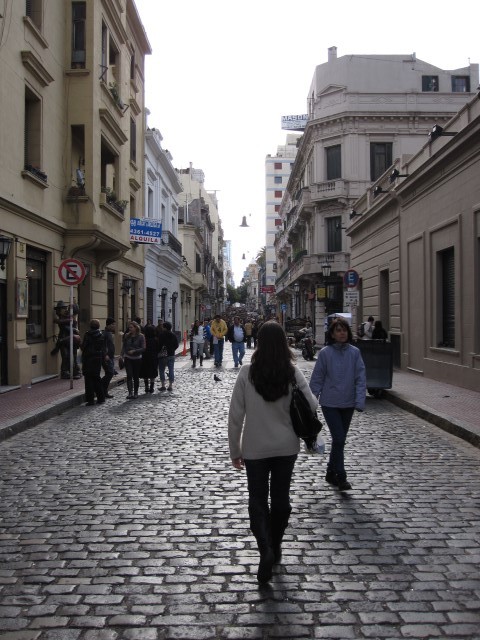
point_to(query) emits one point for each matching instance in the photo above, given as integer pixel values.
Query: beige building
(71, 158)
(363, 112)
(415, 243)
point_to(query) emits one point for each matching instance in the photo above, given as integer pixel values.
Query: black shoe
(109, 395)
(331, 478)
(100, 401)
(89, 404)
(344, 485)
(265, 567)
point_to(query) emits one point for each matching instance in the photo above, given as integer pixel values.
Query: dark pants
(268, 524)
(93, 385)
(338, 422)
(109, 368)
(132, 369)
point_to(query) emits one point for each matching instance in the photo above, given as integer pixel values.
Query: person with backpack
(94, 353)
(365, 330)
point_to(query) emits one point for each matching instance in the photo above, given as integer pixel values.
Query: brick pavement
(127, 521)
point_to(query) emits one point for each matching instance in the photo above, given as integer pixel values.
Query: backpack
(361, 330)
(96, 345)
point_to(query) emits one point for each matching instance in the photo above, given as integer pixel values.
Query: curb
(445, 423)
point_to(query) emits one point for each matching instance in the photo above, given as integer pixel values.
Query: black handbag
(305, 421)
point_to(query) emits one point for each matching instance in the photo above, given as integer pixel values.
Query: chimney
(332, 53)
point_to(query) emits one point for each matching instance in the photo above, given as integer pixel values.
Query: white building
(163, 261)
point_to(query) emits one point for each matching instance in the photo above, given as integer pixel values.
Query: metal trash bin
(378, 358)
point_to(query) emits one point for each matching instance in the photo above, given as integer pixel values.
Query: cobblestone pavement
(126, 521)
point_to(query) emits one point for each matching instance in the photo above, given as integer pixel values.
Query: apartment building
(363, 113)
(71, 159)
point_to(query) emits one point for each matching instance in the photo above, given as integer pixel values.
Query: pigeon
(216, 378)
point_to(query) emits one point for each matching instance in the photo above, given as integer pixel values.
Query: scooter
(307, 346)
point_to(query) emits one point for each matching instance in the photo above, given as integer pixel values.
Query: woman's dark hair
(197, 327)
(271, 369)
(167, 326)
(338, 322)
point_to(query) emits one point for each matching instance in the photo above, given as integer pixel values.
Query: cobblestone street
(127, 521)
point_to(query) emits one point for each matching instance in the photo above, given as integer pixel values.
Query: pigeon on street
(216, 378)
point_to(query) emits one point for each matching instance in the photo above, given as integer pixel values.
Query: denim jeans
(109, 368)
(218, 351)
(268, 525)
(197, 349)
(238, 351)
(166, 362)
(338, 422)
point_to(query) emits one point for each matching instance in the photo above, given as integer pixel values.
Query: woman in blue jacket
(338, 381)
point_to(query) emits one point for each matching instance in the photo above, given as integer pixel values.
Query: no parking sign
(71, 271)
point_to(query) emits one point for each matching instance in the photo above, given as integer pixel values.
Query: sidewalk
(451, 408)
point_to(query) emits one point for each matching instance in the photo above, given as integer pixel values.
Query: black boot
(146, 386)
(260, 526)
(136, 384)
(194, 363)
(130, 390)
(201, 361)
(152, 382)
(278, 524)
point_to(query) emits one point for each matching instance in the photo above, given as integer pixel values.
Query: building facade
(363, 112)
(415, 242)
(72, 132)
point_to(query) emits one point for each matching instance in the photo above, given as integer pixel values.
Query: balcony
(169, 239)
(311, 265)
(337, 189)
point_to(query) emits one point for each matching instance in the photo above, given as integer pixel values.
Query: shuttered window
(334, 234)
(380, 158)
(334, 162)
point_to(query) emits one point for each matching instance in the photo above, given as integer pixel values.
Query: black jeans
(268, 524)
(338, 422)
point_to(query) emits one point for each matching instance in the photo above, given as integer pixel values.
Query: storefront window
(36, 326)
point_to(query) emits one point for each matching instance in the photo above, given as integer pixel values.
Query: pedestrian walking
(170, 341)
(261, 437)
(94, 352)
(339, 382)
(109, 363)
(208, 338)
(132, 349)
(237, 336)
(149, 366)
(379, 332)
(218, 328)
(248, 326)
(197, 336)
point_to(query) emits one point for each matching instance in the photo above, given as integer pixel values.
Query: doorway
(3, 334)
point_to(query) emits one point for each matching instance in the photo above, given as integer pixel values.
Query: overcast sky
(223, 73)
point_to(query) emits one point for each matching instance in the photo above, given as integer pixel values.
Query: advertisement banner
(145, 230)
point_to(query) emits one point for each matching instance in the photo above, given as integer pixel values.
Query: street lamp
(5, 246)
(296, 288)
(326, 269)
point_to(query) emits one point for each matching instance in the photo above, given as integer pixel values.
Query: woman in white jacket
(198, 339)
(261, 437)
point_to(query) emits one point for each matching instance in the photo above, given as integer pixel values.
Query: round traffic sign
(351, 278)
(71, 271)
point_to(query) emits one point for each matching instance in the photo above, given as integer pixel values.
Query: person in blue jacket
(339, 382)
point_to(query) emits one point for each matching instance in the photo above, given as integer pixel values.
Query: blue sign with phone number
(145, 230)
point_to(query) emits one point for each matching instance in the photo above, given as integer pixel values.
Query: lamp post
(5, 246)
(296, 288)
(174, 308)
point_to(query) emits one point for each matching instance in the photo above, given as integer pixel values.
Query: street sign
(284, 307)
(269, 288)
(351, 278)
(351, 297)
(71, 271)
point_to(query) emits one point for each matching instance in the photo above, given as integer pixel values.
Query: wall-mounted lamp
(438, 131)
(396, 174)
(353, 214)
(126, 285)
(189, 298)
(326, 269)
(377, 191)
(338, 225)
(5, 246)
(296, 287)
(244, 222)
(164, 292)
(174, 295)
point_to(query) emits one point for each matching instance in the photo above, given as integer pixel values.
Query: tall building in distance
(277, 172)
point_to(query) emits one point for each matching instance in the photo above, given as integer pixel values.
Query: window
(429, 83)
(36, 270)
(149, 202)
(380, 158)
(111, 295)
(334, 162)
(460, 84)
(278, 165)
(198, 263)
(278, 222)
(33, 9)
(278, 194)
(132, 67)
(32, 132)
(278, 179)
(133, 140)
(104, 64)
(447, 298)
(334, 234)
(79, 14)
(277, 208)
